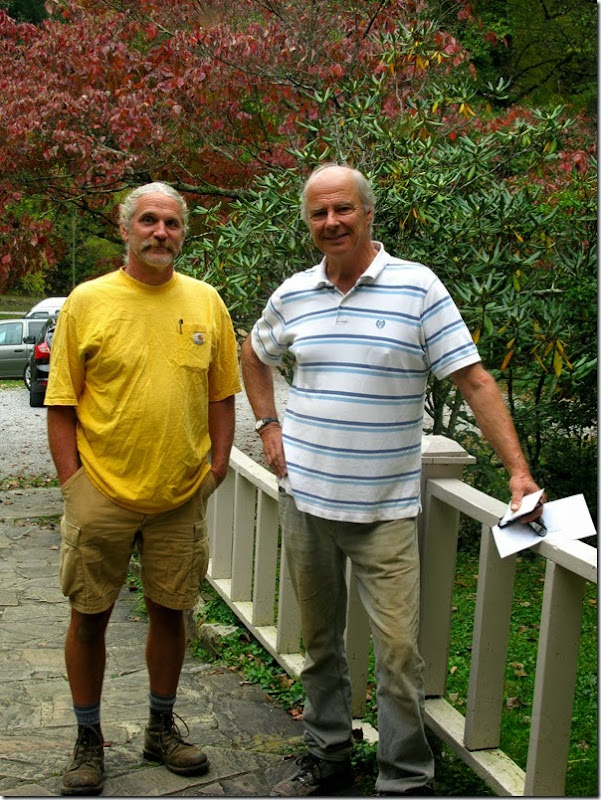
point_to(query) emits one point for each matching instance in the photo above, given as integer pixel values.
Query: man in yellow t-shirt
(141, 390)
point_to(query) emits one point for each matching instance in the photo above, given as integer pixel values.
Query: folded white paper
(528, 504)
(568, 518)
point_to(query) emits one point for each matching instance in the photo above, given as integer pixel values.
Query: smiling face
(339, 224)
(154, 238)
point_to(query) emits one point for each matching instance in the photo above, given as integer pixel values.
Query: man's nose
(332, 218)
(160, 231)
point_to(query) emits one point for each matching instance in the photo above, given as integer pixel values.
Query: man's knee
(86, 628)
(397, 647)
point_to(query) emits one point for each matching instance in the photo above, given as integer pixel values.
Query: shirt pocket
(194, 347)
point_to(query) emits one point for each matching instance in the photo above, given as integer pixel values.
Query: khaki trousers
(385, 560)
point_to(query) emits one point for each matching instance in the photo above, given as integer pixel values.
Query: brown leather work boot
(163, 742)
(85, 773)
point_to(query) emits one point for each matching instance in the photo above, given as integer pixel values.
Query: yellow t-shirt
(140, 364)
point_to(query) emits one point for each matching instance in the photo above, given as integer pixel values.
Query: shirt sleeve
(447, 341)
(268, 335)
(67, 371)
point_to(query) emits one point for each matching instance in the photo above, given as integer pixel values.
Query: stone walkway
(244, 735)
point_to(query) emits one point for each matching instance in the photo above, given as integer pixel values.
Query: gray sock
(87, 715)
(161, 705)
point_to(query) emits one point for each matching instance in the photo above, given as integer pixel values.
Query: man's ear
(124, 232)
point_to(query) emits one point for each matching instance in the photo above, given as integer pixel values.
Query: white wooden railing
(248, 570)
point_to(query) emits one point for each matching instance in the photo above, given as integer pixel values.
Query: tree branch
(546, 13)
(556, 66)
(207, 189)
(372, 21)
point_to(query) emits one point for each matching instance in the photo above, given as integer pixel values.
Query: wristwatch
(261, 423)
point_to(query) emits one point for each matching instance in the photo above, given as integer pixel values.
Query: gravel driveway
(23, 441)
(24, 444)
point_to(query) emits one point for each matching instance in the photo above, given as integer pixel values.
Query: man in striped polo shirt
(365, 329)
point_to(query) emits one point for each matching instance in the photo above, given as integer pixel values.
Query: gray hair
(366, 193)
(128, 206)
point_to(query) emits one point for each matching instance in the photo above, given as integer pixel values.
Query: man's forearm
(258, 382)
(482, 395)
(62, 439)
(222, 426)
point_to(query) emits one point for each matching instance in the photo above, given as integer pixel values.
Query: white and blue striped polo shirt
(352, 429)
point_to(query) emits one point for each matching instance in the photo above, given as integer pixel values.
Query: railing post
(438, 527)
(245, 500)
(489, 648)
(441, 458)
(222, 527)
(554, 686)
(266, 556)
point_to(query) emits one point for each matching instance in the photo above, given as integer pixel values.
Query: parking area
(24, 450)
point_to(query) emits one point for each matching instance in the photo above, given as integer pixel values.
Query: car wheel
(27, 377)
(36, 398)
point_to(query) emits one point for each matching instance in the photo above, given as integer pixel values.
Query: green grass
(12, 383)
(16, 304)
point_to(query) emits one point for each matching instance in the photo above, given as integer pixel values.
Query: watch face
(264, 421)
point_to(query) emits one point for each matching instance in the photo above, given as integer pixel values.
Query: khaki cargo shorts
(98, 538)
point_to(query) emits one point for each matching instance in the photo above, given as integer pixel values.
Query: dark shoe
(85, 773)
(163, 742)
(315, 776)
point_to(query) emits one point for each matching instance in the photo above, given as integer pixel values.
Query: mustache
(161, 245)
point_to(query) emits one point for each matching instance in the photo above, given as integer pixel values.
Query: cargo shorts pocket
(71, 480)
(208, 486)
(71, 572)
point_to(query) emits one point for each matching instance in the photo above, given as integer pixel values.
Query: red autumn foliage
(206, 95)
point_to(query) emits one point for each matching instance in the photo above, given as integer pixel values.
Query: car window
(11, 333)
(35, 326)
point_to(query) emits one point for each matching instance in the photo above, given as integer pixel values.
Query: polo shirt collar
(369, 276)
